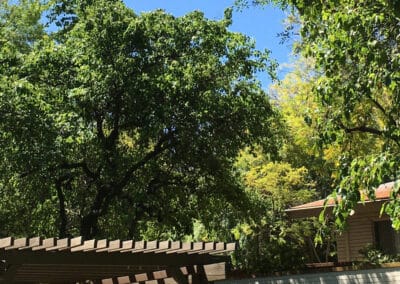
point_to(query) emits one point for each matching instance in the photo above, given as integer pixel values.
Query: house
(364, 227)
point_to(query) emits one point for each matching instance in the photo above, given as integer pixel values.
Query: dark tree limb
(99, 127)
(382, 109)
(114, 134)
(158, 149)
(105, 193)
(61, 200)
(362, 128)
(82, 165)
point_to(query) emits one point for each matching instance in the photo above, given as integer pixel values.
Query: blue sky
(262, 24)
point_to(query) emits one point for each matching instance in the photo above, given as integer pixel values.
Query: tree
(269, 240)
(355, 47)
(301, 112)
(118, 121)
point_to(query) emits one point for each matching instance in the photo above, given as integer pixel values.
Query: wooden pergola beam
(66, 260)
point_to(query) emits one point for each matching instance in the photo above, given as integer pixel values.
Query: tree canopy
(355, 48)
(121, 125)
(117, 121)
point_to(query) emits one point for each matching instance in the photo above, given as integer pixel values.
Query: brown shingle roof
(381, 193)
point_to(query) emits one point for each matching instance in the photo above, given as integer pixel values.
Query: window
(386, 239)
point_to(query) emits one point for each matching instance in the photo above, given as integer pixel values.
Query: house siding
(359, 231)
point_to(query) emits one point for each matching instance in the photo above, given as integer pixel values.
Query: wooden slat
(215, 271)
(173, 246)
(185, 247)
(220, 246)
(6, 242)
(124, 280)
(162, 246)
(151, 245)
(112, 245)
(18, 243)
(76, 242)
(197, 247)
(161, 274)
(87, 245)
(208, 247)
(141, 277)
(102, 244)
(138, 246)
(126, 245)
(230, 247)
(170, 280)
(61, 244)
(46, 243)
(32, 242)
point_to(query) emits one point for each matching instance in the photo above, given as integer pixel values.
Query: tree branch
(111, 139)
(158, 148)
(99, 126)
(382, 109)
(61, 211)
(362, 128)
(81, 165)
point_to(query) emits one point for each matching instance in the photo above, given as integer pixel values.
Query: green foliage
(269, 240)
(355, 48)
(355, 45)
(374, 256)
(301, 113)
(246, 3)
(120, 125)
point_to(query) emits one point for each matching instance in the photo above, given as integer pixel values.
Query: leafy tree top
(128, 118)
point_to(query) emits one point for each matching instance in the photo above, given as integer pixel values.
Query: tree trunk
(89, 226)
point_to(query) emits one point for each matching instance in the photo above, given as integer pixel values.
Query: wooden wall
(359, 232)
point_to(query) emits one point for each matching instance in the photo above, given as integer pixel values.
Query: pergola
(38, 260)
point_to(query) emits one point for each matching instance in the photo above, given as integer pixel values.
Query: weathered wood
(107, 281)
(6, 242)
(100, 244)
(61, 244)
(32, 242)
(126, 245)
(215, 271)
(185, 247)
(87, 245)
(173, 246)
(46, 243)
(124, 280)
(161, 247)
(141, 277)
(112, 246)
(68, 260)
(18, 243)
